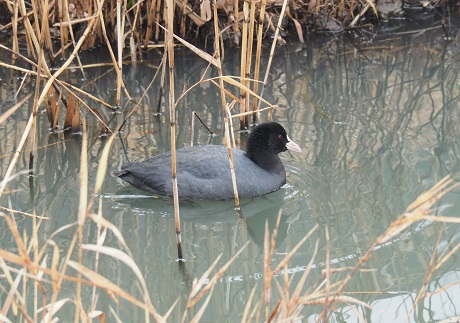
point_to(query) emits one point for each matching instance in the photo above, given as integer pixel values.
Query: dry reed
(95, 22)
(29, 265)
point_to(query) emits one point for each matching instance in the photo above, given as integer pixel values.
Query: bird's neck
(267, 160)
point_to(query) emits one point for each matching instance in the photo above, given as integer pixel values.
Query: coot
(203, 172)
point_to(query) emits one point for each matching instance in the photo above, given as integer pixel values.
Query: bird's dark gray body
(203, 172)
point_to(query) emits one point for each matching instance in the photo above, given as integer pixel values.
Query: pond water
(378, 121)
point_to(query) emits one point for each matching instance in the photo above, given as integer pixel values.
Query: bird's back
(203, 172)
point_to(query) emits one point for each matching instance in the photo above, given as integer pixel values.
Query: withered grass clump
(138, 24)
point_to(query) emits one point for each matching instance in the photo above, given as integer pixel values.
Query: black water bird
(203, 172)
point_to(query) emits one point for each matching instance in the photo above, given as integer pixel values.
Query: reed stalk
(116, 64)
(183, 18)
(247, 74)
(42, 31)
(63, 14)
(151, 15)
(169, 50)
(158, 18)
(327, 271)
(243, 65)
(134, 34)
(162, 83)
(82, 211)
(236, 27)
(275, 41)
(224, 106)
(120, 46)
(255, 101)
(41, 62)
(62, 23)
(15, 30)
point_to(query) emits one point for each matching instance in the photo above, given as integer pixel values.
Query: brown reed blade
(23, 254)
(268, 273)
(288, 257)
(230, 158)
(13, 109)
(13, 290)
(116, 64)
(184, 4)
(150, 17)
(126, 259)
(231, 80)
(301, 283)
(218, 275)
(363, 11)
(82, 206)
(31, 35)
(416, 211)
(324, 315)
(229, 128)
(23, 213)
(199, 20)
(199, 314)
(52, 106)
(420, 208)
(429, 273)
(72, 116)
(275, 40)
(196, 287)
(112, 289)
(16, 154)
(132, 41)
(202, 54)
(342, 298)
(297, 25)
(62, 5)
(248, 306)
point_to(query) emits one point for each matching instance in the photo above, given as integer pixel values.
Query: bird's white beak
(290, 145)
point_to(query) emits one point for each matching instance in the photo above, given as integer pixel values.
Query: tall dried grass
(40, 264)
(53, 29)
(82, 25)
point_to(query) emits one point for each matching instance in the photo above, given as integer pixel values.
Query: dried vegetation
(48, 38)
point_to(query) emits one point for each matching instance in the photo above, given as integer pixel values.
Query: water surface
(378, 124)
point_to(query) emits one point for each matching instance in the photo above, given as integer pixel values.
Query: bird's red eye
(280, 137)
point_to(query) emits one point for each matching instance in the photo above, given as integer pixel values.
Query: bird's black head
(266, 141)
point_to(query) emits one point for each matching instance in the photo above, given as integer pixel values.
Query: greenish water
(384, 127)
